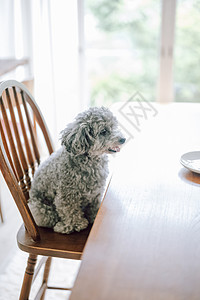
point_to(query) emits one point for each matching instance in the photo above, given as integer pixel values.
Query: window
(146, 46)
(187, 52)
(122, 46)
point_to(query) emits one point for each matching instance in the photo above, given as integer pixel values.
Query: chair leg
(28, 276)
(46, 275)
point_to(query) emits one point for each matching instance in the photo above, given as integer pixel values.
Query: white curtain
(46, 31)
(7, 28)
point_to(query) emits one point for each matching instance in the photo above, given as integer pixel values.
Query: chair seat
(54, 244)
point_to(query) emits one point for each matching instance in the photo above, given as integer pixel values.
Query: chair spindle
(24, 164)
(34, 144)
(13, 150)
(27, 146)
(7, 149)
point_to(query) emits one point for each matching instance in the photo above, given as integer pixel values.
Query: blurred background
(74, 54)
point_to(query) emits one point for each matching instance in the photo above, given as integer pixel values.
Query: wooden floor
(9, 228)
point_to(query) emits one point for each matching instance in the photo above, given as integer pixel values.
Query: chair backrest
(21, 128)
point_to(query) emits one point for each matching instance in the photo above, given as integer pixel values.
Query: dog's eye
(103, 132)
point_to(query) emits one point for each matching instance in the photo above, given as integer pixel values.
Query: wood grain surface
(145, 242)
(54, 244)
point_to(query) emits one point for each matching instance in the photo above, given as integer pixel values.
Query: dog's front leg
(71, 217)
(92, 209)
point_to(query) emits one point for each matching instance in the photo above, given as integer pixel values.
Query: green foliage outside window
(127, 45)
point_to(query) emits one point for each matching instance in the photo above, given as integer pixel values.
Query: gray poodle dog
(67, 188)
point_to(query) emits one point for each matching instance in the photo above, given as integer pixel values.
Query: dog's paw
(81, 225)
(91, 218)
(60, 227)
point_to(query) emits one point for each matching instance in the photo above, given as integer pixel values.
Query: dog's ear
(77, 139)
(67, 137)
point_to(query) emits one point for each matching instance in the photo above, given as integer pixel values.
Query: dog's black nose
(122, 141)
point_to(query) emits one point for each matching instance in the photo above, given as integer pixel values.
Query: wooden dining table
(145, 241)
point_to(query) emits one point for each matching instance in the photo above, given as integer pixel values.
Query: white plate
(191, 161)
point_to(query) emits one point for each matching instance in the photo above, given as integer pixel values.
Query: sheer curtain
(7, 28)
(46, 32)
(55, 60)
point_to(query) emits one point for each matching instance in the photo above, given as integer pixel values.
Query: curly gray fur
(67, 188)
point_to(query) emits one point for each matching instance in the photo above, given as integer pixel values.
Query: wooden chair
(19, 158)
